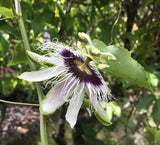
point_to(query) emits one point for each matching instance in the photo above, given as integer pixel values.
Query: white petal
(56, 97)
(43, 59)
(52, 101)
(75, 104)
(96, 104)
(43, 74)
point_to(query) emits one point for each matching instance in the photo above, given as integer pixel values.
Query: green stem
(18, 103)
(43, 131)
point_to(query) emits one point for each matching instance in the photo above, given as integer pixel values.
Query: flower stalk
(32, 67)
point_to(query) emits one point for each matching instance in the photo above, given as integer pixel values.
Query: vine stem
(18, 103)
(114, 25)
(43, 131)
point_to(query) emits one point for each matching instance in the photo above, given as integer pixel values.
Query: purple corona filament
(70, 60)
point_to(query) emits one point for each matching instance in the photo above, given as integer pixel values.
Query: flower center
(83, 66)
(79, 68)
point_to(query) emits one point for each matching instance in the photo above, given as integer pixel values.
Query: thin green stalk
(18, 103)
(43, 130)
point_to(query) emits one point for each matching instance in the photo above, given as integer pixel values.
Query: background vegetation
(137, 29)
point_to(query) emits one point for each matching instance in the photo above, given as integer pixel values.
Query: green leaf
(4, 45)
(69, 21)
(155, 113)
(145, 103)
(5, 3)
(124, 66)
(6, 12)
(61, 14)
(37, 25)
(82, 21)
(27, 11)
(48, 16)
(19, 55)
(105, 33)
(5, 27)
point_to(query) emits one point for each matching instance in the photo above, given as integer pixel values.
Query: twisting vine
(115, 24)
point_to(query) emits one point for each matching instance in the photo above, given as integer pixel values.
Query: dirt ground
(19, 122)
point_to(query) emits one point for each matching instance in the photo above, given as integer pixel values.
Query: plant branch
(1, 19)
(32, 67)
(18, 103)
